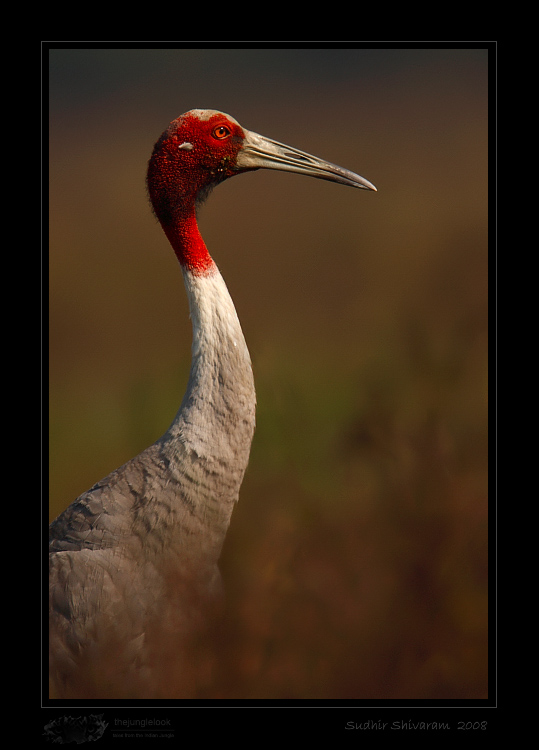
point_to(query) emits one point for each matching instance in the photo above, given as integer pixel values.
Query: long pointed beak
(259, 152)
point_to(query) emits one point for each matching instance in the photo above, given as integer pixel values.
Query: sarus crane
(134, 578)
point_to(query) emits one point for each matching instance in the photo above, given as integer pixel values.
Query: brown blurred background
(356, 562)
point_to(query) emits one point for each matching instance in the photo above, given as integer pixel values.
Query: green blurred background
(356, 562)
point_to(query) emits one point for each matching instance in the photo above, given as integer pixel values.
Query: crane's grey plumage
(134, 577)
(150, 534)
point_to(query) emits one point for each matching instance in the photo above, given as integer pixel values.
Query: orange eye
(220, 132)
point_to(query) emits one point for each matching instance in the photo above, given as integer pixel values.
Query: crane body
(134, 578)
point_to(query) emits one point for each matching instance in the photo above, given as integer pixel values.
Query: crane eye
(221, 132)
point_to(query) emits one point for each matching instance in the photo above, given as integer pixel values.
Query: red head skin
(191, 156)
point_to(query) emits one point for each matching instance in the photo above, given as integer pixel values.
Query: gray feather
(134, 576)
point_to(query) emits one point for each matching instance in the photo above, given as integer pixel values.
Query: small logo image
(75, 729)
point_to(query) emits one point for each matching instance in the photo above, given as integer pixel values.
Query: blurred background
(356, 562)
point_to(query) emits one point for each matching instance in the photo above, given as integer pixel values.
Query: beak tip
(366, 185)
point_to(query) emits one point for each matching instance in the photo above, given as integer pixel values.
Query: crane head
(204, 147)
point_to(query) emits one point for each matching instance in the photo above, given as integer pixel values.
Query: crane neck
(190, 249)
(214, 426)
(209, 441)
(221, 385)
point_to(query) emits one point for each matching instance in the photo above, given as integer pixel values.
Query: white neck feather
(217, 415)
